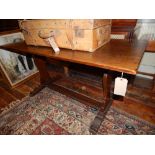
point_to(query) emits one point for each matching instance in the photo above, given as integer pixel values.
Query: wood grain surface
(117, 55)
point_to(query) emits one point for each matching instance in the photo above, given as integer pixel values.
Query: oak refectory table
(115, 56)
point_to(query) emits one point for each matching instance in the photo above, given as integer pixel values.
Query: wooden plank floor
(9, 95)
(129, 105)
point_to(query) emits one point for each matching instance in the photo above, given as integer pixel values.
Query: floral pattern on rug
(118, 122)
(51, 113)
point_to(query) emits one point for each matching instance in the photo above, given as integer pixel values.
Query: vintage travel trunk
(76, 34)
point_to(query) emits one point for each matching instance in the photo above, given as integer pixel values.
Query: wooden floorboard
(24, 89)
(137, 109)
(32, 84)
(3, 103)
(7, 96)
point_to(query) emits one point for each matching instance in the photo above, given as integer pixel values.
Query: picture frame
(15, 68)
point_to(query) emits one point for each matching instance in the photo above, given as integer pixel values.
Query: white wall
(145, 30)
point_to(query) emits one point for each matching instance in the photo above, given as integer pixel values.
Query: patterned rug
(51, 113)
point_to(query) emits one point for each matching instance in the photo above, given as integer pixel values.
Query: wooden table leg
(44, 75)
(106, 104)
(153, 88)
(66, 71)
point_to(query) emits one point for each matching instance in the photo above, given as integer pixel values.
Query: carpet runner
(51, 113)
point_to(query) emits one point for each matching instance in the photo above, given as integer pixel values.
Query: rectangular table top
(117, 55)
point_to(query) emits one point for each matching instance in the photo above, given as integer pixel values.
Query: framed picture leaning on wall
(15, 68)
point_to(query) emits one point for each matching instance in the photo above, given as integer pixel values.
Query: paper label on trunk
(53, 44)
(120, 86)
